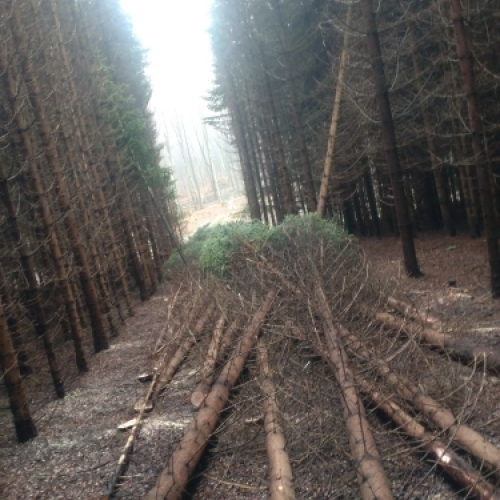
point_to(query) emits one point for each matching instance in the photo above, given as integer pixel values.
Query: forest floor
(442, 260)
(78, 446)
(215, 213)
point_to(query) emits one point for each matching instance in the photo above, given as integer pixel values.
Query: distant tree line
(79, 229)
(384, 114)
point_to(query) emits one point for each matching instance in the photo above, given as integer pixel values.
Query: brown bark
(47, 220)
(283, 175)
(129, 445)
(41, 326)
(439, 452)
(373, 481)
(461, 434)
(390, 141)
(47, 137)
(307, 181)
(206, 372)
(332, 135)
(476, 128)
(443, 198)
(457, 348)
(183, 350)
(25, 427)
(280, 470)
(82, 135)
(173, 480)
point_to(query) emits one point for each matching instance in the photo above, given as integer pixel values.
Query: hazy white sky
(175, 33)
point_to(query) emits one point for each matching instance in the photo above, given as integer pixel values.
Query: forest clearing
(275, 277)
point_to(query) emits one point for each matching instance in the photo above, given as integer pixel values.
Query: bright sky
(175, 33)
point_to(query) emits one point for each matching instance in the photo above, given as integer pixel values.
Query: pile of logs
(365, 368)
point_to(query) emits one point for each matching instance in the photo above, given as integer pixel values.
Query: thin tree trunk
(283, 175)
(390, 141)
(332, 135)
(47, 137)
(440, 452)
(444, 200)
(280, 470)
(25, 427)
(172, 481)
(308, 181)
(373, 481)
(47, 220)
(41, 327)
(476, 127)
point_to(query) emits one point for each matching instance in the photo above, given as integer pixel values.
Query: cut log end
(145, 377)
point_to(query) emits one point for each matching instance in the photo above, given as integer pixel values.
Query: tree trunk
(308, 181)
(280, 470)
(476, 127)
(332, 135)
(172, 481)
(390, 141)
(373, 481)
(47, 137)
(440, 452)
(50, 233)
(206, 372)
(25, 427)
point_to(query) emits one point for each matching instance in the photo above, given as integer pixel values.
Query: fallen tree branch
(409, 310)
(182, 351)
(374, 484)
(227, 339)
(440, 452)
(280, 470)
(454, 347)
(129, 445)
(173, 480)
(203, 387)
(463, 435)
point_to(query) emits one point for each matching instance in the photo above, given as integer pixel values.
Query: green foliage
(213, 248)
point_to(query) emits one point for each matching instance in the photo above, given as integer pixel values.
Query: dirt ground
(215, 213)
(459, 261)
(75, 453)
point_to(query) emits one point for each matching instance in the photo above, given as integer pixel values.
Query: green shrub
(212, 247)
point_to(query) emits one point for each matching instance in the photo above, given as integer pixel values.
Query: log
(129, 445)
(182, 351)
(439, 452)
(206, 372)
(464, 436)
(173, 480)
(409, 310)
(374, 484)
(280, 470)
(461, 349)
(227, 340)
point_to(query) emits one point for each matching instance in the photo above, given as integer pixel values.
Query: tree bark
(476, 128)
(173, 480)
(440, 452)
(47, 137)
(390, 141)
(280, 470)
(373, 481)
(25, 427)
(332, 135)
